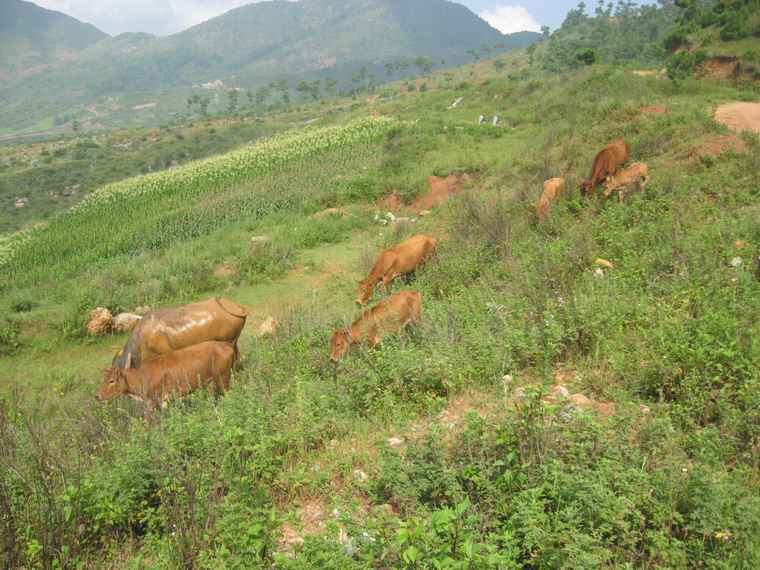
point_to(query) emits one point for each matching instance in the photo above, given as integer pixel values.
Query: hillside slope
(451, 442)
(33, 39)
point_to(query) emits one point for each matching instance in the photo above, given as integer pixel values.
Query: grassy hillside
(442, 447)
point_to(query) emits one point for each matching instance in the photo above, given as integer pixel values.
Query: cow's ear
(104, 371)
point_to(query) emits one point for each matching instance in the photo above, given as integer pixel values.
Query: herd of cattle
(176, 350)
(606, 167)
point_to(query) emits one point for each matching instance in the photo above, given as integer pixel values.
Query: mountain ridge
(253, 43)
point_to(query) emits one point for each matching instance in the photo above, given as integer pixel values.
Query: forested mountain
(246, 48)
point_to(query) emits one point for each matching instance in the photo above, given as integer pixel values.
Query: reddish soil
(441, 189)
(739, 116)
(715, 146)
(655, 109)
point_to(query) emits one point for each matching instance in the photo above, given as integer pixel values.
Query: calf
(549, 193)
(179, 372)
(386, 317)
(606, 163)
(626, 178)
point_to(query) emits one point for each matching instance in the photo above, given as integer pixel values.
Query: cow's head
(341, 340)
(365, 290)
(586, 188)
(114, 384)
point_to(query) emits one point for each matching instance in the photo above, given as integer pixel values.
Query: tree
(303, 88)
(545, 30)
(232, 101)
(575, 17)
(474, 53)
(330, 83)
(423, 63)
(315, 89)
(586, 56)
(202, 102)
(262, 94)
(486, 48)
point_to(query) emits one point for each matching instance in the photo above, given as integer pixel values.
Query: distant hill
(254, 44)
(33, 38)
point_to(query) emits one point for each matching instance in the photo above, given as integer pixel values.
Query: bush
(9, 333)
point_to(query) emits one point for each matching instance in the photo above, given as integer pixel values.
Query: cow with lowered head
(395, 261)
(170, 328)
(180, 372)
(606, 163)
(385, 318)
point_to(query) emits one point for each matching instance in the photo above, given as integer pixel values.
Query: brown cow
(170, 328)
(179, 372)
(386, 317)
(627, 177)
(551, 189)
(606, 163)
(394, 261)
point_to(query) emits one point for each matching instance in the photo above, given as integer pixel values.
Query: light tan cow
(180, 372)
(551, 189)
(627, 177)
(395, 261)
(382, 320)
(170, 328)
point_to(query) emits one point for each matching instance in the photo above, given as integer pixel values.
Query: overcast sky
(164, 17)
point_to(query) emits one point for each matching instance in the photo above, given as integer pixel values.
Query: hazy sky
(164, 17)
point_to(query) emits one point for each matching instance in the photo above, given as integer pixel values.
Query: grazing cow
(394, 261)
(386, 317)
(606, 163)
(171, 328)
(549, 193)
(627, 177)
(179, 372)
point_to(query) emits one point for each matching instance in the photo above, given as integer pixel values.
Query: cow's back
(185, 370)
(606, 163)
(397, 310)
(550, 189)
(406, 256)
(167, 329)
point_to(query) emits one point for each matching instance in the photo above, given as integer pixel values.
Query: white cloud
(511, 19)
(159, 17)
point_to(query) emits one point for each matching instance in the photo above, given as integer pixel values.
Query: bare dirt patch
(441, 190)
(312, 514)
(655, 109)
(717, 145)
(739, 115)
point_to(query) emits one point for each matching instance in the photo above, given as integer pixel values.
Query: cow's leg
(222, 382)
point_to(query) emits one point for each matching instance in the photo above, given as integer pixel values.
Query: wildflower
(725, 535)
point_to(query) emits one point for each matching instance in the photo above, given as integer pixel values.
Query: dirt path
(739, 115)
